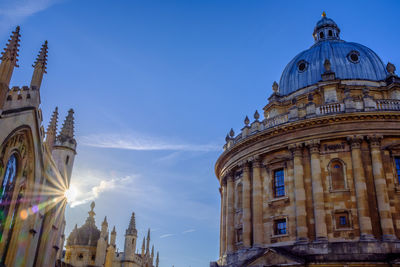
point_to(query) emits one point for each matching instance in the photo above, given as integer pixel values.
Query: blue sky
(156, 85)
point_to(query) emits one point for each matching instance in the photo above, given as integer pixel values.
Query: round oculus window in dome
(302, 65)
(353, 56)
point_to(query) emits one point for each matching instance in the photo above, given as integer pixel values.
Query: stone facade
(35, 168)
(89, 246)
(317, 182)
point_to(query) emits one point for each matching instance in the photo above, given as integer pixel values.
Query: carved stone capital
(375, 140)
(296, 149)
(355, 141)
(313, 145)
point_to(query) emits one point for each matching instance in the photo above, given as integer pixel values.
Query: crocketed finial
(52, 128)
(41, 60)
(67, 130)
(11, 51)
(246, 121)
(256, 115)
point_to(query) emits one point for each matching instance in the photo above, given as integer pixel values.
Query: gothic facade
(317, 181)
(35, 168)
(89, 246)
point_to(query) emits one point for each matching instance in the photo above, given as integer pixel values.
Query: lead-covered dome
(348, 60)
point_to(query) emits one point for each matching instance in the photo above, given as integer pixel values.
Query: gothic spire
(152, 252)
(143, 246)
(9, 57)
(52, 129)
(39, 66)
(157, 259)
(67, 130)
(148, 242)
(132, 226)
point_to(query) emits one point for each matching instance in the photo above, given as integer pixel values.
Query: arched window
(337, 174)
(6, 196)
(239, 194)
(7, 189)
(321, 35)
(67, 160)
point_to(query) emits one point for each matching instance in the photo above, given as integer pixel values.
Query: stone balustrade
(322, 110)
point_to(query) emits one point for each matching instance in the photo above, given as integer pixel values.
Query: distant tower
(101, 248)
(130, 243)
(9, 60)
(64, 149)
(39, 67)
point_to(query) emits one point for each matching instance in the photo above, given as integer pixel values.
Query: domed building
(89, 246)
(317, 181)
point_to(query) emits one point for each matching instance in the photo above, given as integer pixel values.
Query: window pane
(280, 227)
(397, 160)
(279, 183)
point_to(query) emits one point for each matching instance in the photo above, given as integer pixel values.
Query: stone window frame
(271, 168)
(395, 152)
(238, 197)
(346, 184)
(279, 217)
(349, 216)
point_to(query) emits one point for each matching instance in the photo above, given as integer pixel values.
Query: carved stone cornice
(290, 127)
(296, 149)
(375, 140)
(355, 141)
(313, 146)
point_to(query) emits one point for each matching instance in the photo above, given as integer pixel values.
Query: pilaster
(230, 218)
(381, 188)
(360, 188)
(257, 203)
(299, 192)
(246, 206)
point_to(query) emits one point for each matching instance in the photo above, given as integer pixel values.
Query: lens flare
(70, 194)
(23, 214)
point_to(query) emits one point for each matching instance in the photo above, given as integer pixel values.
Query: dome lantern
(326, 29)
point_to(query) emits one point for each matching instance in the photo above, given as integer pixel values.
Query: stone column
(317, 192)
(223, 218)
(230, 216)
(246, 206)
(381, 189)
(360, 188)
(299, 192)
(257, 204)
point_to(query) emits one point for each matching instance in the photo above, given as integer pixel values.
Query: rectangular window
(279, 183)
(280, 227)
(342, 220)
(397, 161)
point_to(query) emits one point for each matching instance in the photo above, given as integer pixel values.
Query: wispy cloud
(188, 231)
(141, 142)
(166, 235)
(85, 193)
(13, 12)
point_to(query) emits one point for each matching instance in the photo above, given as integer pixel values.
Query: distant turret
(143, 246)
(39, 67)
(64, 149)
(152, 254)
(101, 248)
(113, 236)
(9, 60)
(148, 243)
(52, 130)
(130, 240)
(157, 259)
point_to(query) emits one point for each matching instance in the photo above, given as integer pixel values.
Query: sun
(70, 194)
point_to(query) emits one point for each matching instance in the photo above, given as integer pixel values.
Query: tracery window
(337, 175)
(279, 183)
(397, 162)
(6, 190)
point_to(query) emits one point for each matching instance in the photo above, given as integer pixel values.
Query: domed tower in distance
(317, 181)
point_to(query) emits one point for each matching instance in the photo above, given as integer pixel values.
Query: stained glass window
(279, 183)
(7, 188)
